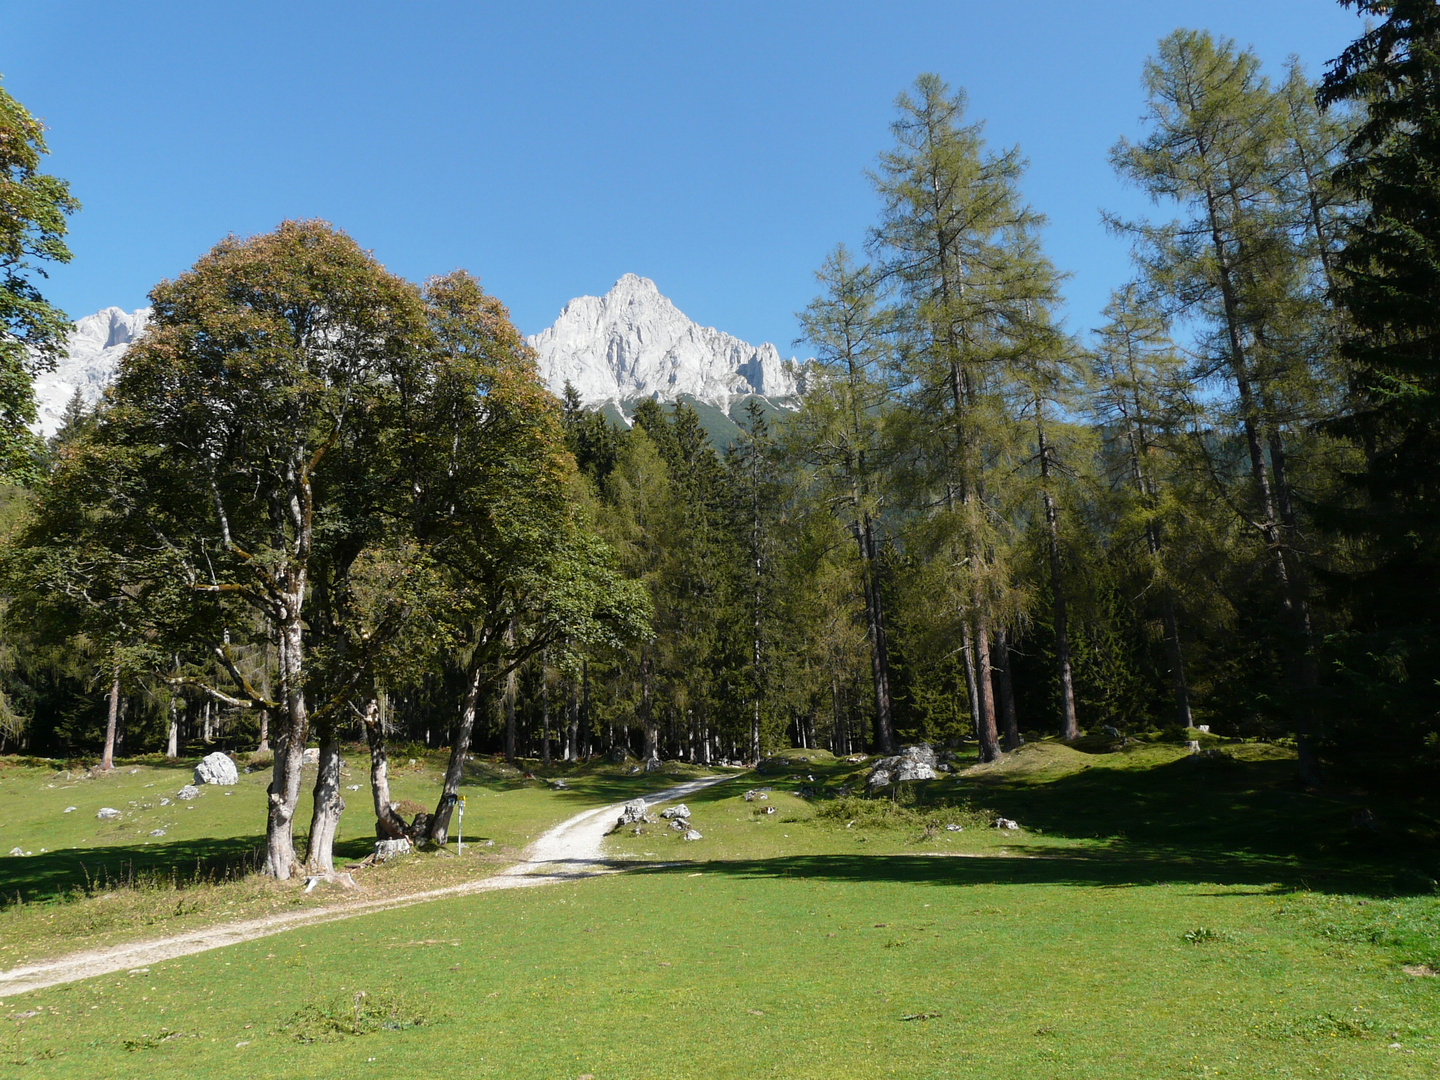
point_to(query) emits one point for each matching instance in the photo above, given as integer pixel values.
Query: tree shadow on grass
(57, 873)
(1056, 866)
(1188, 820)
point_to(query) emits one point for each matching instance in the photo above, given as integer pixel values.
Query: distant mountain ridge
(617, 349)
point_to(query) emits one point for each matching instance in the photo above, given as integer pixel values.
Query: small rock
(1193, 746)
(216, 768)
(638, 830)
(559, 785)
(944, 767)
(1204, 729)
(71, 809)
(1006, 823)
(386, 850)
(1110, 732)
(633, 812)
(189, 791)
(157, 832)
(692, 835)
(108, 813)
(768, 810)
(677, 825)
(164, 802)
(134, 771)
(954, 828)
(17, 851)
(750, 796)
(652, 765)
(680, 811)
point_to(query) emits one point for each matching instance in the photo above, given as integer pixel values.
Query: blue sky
(718, 148)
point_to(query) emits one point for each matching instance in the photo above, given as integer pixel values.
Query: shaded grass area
(918, 967)
(1147, 813)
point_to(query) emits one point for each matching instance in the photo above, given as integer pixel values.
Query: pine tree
(1387, 284)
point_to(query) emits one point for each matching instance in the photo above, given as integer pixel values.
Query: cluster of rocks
(912, 763)
(755, 794)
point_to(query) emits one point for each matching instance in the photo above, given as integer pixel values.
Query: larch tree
(957, 244)
(1215, 146)
(837, 439)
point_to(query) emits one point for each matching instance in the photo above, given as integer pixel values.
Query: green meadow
(1140, 923)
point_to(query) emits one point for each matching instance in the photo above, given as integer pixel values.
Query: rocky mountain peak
(634, 343)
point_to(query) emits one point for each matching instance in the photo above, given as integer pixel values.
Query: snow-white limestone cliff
(633, 343)
(95, 349)
(629, 344)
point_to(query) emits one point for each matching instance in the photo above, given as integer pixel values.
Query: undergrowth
(359, 1013)
(853, 810)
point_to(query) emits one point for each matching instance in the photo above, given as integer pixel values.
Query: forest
(323, 506)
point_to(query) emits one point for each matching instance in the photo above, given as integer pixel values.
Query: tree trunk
(107, 761)
(284, 790)
(388, 823)
(1069, 723)
(986, 729)
(1177, 661)
(652, 730)
(507, 702)
(264, 746)
(455, 770)
(325, 820)
(1000, 661)
(544, 709)
(879, 646)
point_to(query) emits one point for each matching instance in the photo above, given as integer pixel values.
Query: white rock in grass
(71, 809)
(216, 768)
(157, 832)
(189, 791)
(164, 802)
(681, 811)
(691, 835)
(1006, 823)
(17, 851)
(108, 813)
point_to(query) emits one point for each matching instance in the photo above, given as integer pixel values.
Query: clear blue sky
(718, 148)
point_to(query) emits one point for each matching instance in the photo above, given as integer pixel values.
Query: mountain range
(615, 350)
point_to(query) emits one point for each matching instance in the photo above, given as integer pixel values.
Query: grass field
(1155, 916)
(89, 882)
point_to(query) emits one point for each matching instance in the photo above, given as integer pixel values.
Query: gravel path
(568, 851)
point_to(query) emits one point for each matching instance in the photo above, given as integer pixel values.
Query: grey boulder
(189, 791)
(676, 811)
(633, 812)
(108, 813)
(216, 768)
(391, 849)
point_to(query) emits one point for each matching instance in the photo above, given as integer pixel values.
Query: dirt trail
(568, 851)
